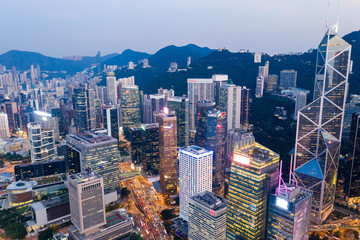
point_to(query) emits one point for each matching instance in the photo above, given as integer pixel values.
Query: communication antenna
(332, 28)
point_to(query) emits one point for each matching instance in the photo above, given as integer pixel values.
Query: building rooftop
(195, 150)
(83, 177)
(292, 193)
(21, 185)
(91, 137)
(210, 200)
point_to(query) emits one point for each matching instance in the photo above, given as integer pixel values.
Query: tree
(338, 234)
(1, 163)
(46, 234)
(135, 236)
(125, 192)
(356, 234)
(167, 214)
(15, 230)
(325, 238)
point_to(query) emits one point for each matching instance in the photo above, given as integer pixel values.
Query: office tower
(181, 107)
(70, 156)
(130, 106)
(47, 121)
(111, 121)
(168, 154)
(200, 121)
(207, 217)
(289, 213)
(136, 143)
(112, 88)
(215, 141)
(272, 82)
(152, 104)
(235, 102)
(84, 109)
(56, 112)
(195, 175)
(100, 153)
(11, 110)
(87, 204)
(98, 113)
(42, 143)
(288, 78)
(34, 171)
(102, 94)
(257, 58)
(126, 82)
(254, 174)
(199, 89)
(150, 149)
(219, 80)
(319, 127)
(4, 126)
(352, 183)
(300, 102)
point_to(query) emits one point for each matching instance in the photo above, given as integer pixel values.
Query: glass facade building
(25, 172)
(181, 107)
(319, 127)
(84, 109)
(289, 212)
(215, 141)
(111, 121)
(42, 143)
(100, 153)
(254, 174)
(200, 120)
(288, 78)
(130, 106)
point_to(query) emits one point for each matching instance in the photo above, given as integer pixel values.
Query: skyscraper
(47, 121)
(11, 110)
(84, 109)
(136, 143)
(150, 149)
(111, 120)
(254, 174)
(319, 127)
(235, 102)
(352, 183)
(4, 126)
(261, 80)
(272, 82)
(288, 78)
(215, 141)
(168, 154)
(42, 143)
(199, 89)
(289, 213)
(200, 121)
(151, 104)
(300, 101)
(181, 107)
(111, 85)
(195, 175)
(207, 217)
(130, 106)
(219, 80)
(87, 204)
(100, 153)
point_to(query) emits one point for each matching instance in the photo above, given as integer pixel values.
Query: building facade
(84, 109)
(42, 143)
(130, 106)
(288, 78)
(181, 107)
(4, 126)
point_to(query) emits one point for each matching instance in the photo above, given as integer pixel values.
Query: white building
(300, 102)
(42, 144)
(4, 126)
(257, 58)
(127, 82)
(195, 175)
(112, 88)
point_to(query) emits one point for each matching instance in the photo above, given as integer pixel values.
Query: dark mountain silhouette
(125, 57)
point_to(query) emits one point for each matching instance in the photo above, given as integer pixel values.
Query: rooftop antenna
(332, 28)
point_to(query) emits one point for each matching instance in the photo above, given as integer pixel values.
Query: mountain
(162, 58)
(92, 60)
(22, 60)
(125, 57)
(353, 38)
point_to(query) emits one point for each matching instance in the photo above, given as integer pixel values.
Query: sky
(61, 28)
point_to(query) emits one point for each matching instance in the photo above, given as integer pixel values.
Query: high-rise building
(352, 183)
(130, 106)
(4, 126)
(215, 141)
(200, 121)
(254, 174)
(56, 112)
(195, 175)
(199, 89)
(288, 78)
(272, 82)
(300, 102)
(111, 85)
(181, 107)
(319, 127)
(111, 120)
(100, 153)
(289, 213)
(11, 110)
(42, 143)
(207, 217)
(235, 102)
(87, 204)
(136, 143)
(261, 80)
(84, 109)
(219, 80)
(168, 154)
(257, 58)
(47, 121)
(152, 104)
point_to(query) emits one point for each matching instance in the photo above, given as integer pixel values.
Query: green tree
(135, 236)
(356, 234)
(325, 238)
(338, 234)
(46, 234)
(125, 192)
(167, 214)
(15, 230)
(1, 163)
